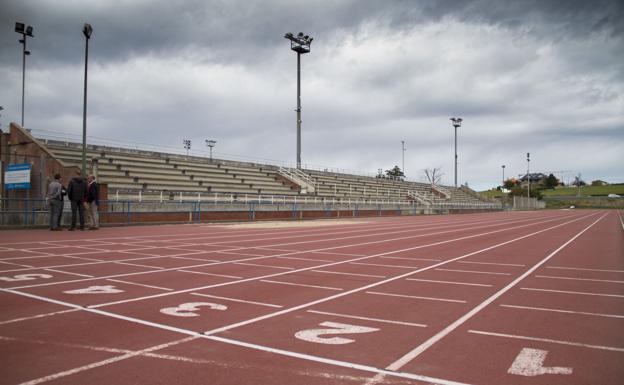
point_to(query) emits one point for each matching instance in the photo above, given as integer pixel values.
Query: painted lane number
(107, 289)
(315, 335)
(188, 309)
(530, 363)
(25, 277)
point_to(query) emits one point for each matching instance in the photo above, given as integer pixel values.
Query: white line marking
(600, 347)
(17, 264)
(70, 273)
(215, 275)
(368, 319)
(36, 316)
(563, 311)
(448, 282)
(302, 285)
(416, 297)
(530, 363)
(196, 259)
(140, 284)
(306, 259)
(473, 271)
(261, 265)
(583, 269)
(414, 259)
(572, 292)
(493, 263)
(352, 274)
(578, 279)
(138, 265)
(460, 321)
(238, 300)
(382, 265)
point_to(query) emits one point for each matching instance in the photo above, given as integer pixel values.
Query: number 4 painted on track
(529, 363)
(25, 277)
(314, 335)
(107, 289)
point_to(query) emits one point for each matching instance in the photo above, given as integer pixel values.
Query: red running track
(497, 298)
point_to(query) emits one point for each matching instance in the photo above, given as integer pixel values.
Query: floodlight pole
(503, 167)
(87, 30)
(456, 123)
(210, 143)
(300, 44)
(528, 175)
(403, 156)
(25, 32)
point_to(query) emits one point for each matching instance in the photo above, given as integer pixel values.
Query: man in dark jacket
(77, 193)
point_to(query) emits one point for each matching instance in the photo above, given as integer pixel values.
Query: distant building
(537, 179)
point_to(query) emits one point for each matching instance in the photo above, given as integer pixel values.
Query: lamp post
(25, 31)
(87, 30)
(300, 44)
(187, 145)
(210, 143)
(503, 167)
(456, 123)
(528, 175)
(403, 156)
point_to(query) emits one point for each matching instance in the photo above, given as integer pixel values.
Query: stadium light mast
(300, 44)
(528, 175)
(25, 31)
(456, 123)
(210, 143)
(503, 167)
(87, 30)
(403, 156)
(187, 145)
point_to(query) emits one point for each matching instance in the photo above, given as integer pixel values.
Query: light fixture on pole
(528, 175)
(403, 156)
(503, 167)
(210, 143)
(25, 31)
(87, 30)
(187, 145)
(456, 123)
(300, 44)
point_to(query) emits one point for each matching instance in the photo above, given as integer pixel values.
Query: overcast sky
(538, 76)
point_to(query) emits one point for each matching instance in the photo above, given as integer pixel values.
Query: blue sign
(17, 176)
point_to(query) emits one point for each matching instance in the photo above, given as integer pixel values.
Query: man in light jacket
(54, 200)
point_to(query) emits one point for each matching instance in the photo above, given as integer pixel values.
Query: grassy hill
(571, 191)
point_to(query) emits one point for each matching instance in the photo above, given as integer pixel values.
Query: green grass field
(571, 191)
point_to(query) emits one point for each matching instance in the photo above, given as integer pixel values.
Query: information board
(17, 176)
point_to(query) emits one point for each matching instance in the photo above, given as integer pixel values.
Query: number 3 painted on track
(187, 309)
(314, 335)
(25, 277)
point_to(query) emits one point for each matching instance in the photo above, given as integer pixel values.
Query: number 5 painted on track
(25, 277)
(530, 363)
(187, 309)
(314, 335)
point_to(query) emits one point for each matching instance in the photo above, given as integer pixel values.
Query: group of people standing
(83, 196)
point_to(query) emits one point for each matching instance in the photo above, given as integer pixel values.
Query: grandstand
(131, 174)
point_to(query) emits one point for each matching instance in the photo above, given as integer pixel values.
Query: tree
(511, 183)
(551, 182)
(433, 175)
(395, 173)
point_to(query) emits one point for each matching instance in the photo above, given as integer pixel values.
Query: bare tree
(433, 175)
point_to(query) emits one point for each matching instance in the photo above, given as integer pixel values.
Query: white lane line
(493, 263)
(261, 265)
(601, 347)
(239, 300)
(138, 265)
(36, 316)
(562, 311)
(70, 273)
(338, 253)
(196, 259)
(579, 279)
(306, 259)
(302, 285)
(414, 259)
(473, 271)
(449, 282)
(572, 292)
(139, 284)
(461, 320)
(416, 297)
(212, 274)
(382, 265)
(584, 269)
(368, 319)
(351, 274)
(17, 264)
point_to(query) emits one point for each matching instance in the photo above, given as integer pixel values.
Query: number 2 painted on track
(25, 277)
(314, 335)
(188, 309)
